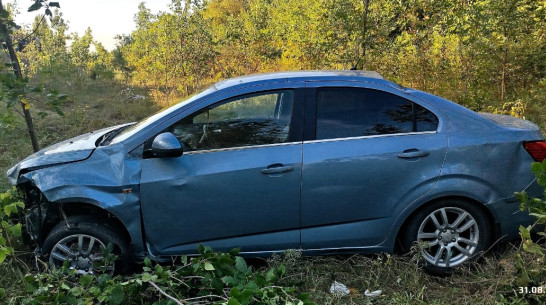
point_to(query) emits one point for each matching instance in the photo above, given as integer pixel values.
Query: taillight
(537, 150)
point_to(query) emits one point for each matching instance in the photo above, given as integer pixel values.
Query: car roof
(293, 76)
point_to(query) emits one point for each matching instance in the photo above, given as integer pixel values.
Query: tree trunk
(19, 75)
(364, 31)
(503, 74)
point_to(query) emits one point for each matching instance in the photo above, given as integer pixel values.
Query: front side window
(355, 112)
(256, 119)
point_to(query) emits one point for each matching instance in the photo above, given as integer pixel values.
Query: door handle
(413, 153)
(277, 168)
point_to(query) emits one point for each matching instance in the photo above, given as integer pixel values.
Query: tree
(80, 51)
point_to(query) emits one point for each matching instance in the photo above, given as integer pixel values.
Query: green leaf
(240, 264)
(86, 280)
(230, 281)
(158, 269)
(542, 181)
(536, 167)
(271, 275)
(4, 251)
(15, 230)
(36, 6)
(281, 270)
(103, 278)
(76, 291)
(116, 295)
(146, 277)
(2, 293)
(522, 197)
(531, 247)
(147, 262)
(208, 266)
(304, 297)
(217, 284)
(524, 232)
(234, 251)
(10, 208)
(538, 216)
(233, 301)
(54, 4)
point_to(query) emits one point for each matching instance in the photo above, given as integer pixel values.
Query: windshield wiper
(107, 137)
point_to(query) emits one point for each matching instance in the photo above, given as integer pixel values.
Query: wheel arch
(493, 226)
(59, 211)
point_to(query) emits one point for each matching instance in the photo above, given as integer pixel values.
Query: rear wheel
(80, 242)
(448, 233)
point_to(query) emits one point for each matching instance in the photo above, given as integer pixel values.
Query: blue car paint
(116, 178)
(211, 199)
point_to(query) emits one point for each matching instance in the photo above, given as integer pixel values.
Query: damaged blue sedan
(323, 161)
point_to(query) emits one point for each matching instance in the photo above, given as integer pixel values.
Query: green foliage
(15, 90)
(10, 228)
(219, 278)
(532, 272)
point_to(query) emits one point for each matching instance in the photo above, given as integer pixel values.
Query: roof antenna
(356, 65)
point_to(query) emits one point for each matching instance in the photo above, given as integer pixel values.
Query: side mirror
(166, 145)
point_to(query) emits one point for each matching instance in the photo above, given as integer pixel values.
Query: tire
(454, 230)
(79, 240)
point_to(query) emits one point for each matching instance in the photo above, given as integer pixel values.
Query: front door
(237, 183)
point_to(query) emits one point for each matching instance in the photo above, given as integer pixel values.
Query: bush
(10, 227)
(531, 261)
(219, 278)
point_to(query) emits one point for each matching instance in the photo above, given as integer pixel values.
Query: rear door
(367, 153)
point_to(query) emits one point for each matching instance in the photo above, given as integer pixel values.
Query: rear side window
(355, 112)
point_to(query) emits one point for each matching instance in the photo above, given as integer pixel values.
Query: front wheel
(80, 242)
(448, 233)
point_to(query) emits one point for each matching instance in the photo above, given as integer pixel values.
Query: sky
(106, 18)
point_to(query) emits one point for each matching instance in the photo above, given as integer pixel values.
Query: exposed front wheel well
(56, 211)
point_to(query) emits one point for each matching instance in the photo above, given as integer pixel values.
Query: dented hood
(71, 150)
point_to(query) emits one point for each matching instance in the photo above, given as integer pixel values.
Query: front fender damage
(105, 186)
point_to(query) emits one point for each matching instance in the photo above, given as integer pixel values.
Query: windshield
(130, 131)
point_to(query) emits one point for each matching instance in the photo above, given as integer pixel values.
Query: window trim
(196, 152)
(413, 133)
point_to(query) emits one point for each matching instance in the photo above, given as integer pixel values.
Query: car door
(368, 152)
(237, 183)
